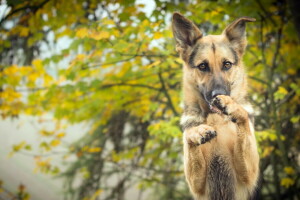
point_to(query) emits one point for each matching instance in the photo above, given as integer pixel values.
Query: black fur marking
(213, 47)
(190, 124)
(193, 109)
(193, 54)
(195, 112)
(236, 58)
(220, 180)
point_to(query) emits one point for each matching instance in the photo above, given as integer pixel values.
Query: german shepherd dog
(221, 160)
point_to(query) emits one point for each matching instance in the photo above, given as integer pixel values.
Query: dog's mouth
(213, 105)
(214, 109)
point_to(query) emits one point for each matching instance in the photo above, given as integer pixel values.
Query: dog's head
(212, 63)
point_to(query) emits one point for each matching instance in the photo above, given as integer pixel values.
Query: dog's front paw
(200, 134)
(225, 104)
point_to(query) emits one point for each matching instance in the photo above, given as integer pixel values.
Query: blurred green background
(95, 90)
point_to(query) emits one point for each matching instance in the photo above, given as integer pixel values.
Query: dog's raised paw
(220, 105)
(200, 134)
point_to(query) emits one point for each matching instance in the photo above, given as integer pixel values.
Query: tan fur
(235, 141)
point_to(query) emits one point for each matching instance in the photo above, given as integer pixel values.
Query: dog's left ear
(236, 34)
(185, 32)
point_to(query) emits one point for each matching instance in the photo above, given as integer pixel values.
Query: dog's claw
(202, 140)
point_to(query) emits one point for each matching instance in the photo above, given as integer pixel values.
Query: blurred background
(91, 96)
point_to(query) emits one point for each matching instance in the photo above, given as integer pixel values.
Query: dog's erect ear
(236, 34)
(185, 32)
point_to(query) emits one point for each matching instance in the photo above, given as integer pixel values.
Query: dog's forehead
(212, 43)
(212, 39)
(210, 48)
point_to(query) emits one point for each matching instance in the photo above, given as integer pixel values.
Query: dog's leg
(194, 156)
(246, 158)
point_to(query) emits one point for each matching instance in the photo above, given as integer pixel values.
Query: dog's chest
(226, 132)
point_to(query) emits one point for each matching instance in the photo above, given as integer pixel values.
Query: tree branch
(131, 85)
(165, 91)
(267, 13)
(35, 8)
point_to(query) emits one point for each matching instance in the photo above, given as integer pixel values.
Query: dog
(221, 160)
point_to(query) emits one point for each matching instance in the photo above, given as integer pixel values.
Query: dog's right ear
(185, 32)
(236, 33)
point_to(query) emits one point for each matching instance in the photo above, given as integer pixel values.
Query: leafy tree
(119, 73)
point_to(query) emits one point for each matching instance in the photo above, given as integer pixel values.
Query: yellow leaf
(168, 33)
(154, 64)
(42, 165)
(94, 149)
(66, 31)
(179, 60)
(25, 70)
(9, 94)
(82, 32)
(96, 194)
(105, 34)
(157, 35)
(37, 63)
(287, 182)
(19, 146)
(32, 76)
(291, 71)
(60, 135)
(100, 35)
(55, 143)
(47, 80)
(267, 151)
(46, 133)
(282, 90)
(107, 21)
(80, 57)
(24, 31)
(289, 170)
(11, 70)
(115, 157)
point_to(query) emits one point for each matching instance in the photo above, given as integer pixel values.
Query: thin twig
(112, 18)
(268, 15)
(165, 91)
(131, 85)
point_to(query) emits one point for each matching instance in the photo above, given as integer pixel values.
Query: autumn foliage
(112, 65)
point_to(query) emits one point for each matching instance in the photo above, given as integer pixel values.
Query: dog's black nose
(218, 91)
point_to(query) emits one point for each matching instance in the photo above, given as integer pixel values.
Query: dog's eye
(227, 65)
(203, 67)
